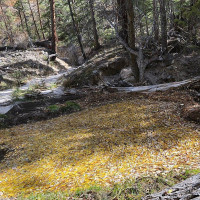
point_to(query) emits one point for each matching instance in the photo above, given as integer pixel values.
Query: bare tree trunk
(155, 20)
(53, 26)
(171, 13)
(122, 18)
(163, 25)
(131, 37)
(76, 31)
(41, 26)
(146, 18)
(96, 37)
(36, 29)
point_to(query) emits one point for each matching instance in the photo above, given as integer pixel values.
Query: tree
(39, 15)
(96, 37)
(34, 22)
(76, 31)
(155, 20)
(122, 18)
(163, 16)
(7, 25)
(131, 37)
(54, 38)
(25, 18)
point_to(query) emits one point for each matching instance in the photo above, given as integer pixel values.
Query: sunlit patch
(101, 146)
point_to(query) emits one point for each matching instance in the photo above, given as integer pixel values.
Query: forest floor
(135, 140)
(118, 145)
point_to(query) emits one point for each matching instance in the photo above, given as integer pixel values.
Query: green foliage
(46, 196)
(19, 94)
(18, 77)
(69, 106)
(54, 108)
(2, 120)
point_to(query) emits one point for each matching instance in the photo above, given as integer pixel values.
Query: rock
(188, 189)
(192, 113)
(101, 70)
(126, 73)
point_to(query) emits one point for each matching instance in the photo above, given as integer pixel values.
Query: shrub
(70, 106)
(53, 108)
(18, 77)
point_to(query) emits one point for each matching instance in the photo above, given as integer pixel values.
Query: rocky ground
(19, 67)
(102, 73)
(99, 81)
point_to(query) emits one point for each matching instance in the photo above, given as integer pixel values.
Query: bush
(18, 77)
(53, 108)
(70, 106)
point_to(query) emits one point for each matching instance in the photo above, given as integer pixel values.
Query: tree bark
(53, 26)
(155, 20)
(122, 18)
(36, 29)
(163, 25)
(41, 26)
(20, 16)
(131, 37)
(96, 37)
(76, 31)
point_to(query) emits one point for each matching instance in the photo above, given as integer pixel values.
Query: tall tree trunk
(163, 25)
(20, 16)
(96, 37)
(171, 13)
(53, 26)
(41, 26)
(122, 18)
(36, 29)
(25, 19)
(155, 20)
(131, 37)
(146, 18)
(76, 31)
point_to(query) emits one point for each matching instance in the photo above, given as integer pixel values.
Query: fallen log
(188, 189)
(45, 44)
(154, 88)
(6, 48)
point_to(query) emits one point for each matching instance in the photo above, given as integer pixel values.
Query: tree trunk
(163, 25)
(20, 16)
(76, 31)
(41, 26)
(96, 37)
(131, 37)
(123, 20)
(53, 26)
(155, 20)
(8, 29)
(36, 29)
(25, 19)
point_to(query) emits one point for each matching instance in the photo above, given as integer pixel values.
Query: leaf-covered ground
(98, 146)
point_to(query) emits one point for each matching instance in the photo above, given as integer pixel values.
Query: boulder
(126, 75)
(192, 113)
(105, 72)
